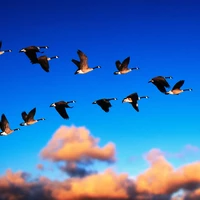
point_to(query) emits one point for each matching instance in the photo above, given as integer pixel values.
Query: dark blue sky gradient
(161, 37)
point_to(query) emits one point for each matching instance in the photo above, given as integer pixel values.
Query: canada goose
(4, 125)
(29, 118)
(60, 107)
(31, 52)
(123, 67)
(83, 67)
(104, 103)
(44, 62)
(176, 89)
(3, 51)
(160, 82)
(133, 98)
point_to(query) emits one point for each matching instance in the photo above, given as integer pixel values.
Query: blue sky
(161, 38)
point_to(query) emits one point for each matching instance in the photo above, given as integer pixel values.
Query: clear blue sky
(161, 38)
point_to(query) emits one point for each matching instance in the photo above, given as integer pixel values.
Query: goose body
(29, 118)
(82, 65)
(5, 127)
(3, 51)
(61, 106)
(177, 88)
(44, 62)
(31, 52)
(123, 67)
(161, 83)
(104, 103)
(133, 100)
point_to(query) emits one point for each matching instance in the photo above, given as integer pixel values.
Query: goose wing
(134, 97)
(31, 114)
(44, 63)
(76, 62)
(125, 63)
(104, 104)
(161, 80)
(83, 60)
(4, 123)
(24, 116)
(118, 65)
(178, 85)
(160, 86)
(62, 111)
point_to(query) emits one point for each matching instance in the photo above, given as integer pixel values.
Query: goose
(3, 51)
(4, 125)
(29, 118)
(31, 52)
(161, 83)
(123, 67)
(104, 103)
(60, 107)
(82, 65)
(44, 62)
(176, 89)
(133, 98)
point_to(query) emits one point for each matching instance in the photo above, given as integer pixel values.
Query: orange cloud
(75, 147)
(76, 144)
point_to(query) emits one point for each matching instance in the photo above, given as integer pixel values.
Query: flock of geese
(31, 52)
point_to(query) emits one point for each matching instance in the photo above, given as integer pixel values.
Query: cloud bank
(75, 148)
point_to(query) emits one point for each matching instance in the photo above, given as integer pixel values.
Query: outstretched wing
(135, 106)
(178, 85)
(62, 111)
(105, 105)
(44, 63)
(31, 114)
(24, 116)
(4, 123)
(83, 60)
(118, 65)
(125, 63)
(76, 62)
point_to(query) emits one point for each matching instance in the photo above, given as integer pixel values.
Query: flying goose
(82, 65)
(176, 89)
(123, 67)
(60, 107)
(31, 52)
(29, 118)
(104, 103)
(161, 83)
(133, 98)
(4, 125)
(3, 51)
(44, 62)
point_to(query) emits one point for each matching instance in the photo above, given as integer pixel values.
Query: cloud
(75, 148)
(40, 167)
(77, 145)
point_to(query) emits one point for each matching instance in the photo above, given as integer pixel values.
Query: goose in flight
(123, 67)
(29, 118)
(82, 65)
(4, 125)
(161, 83)
(44, 62)
(133, 100)
(31, 52)
(60, 107)
(104, 103)
(3, 51)
(177, 88)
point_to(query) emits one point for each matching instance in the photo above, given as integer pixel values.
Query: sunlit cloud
(159, 181)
